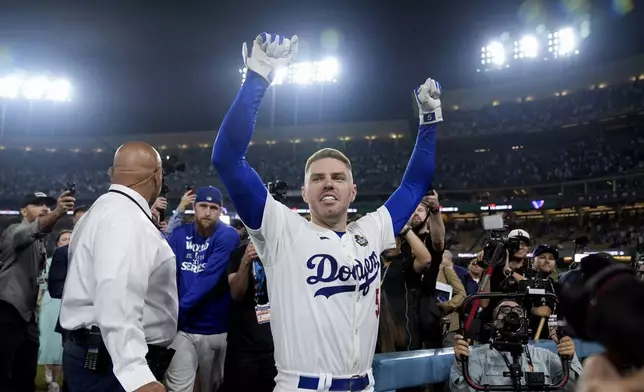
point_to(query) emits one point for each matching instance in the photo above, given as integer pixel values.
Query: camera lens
(512, 321)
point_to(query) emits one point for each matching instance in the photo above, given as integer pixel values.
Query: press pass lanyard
(137, 204)
(262, 312)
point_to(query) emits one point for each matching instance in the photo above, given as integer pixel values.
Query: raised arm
(245, 187)
(420, 169)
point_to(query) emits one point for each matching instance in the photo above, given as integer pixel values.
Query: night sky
(154, 66)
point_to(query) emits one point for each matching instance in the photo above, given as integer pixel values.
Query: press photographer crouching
(508, 362)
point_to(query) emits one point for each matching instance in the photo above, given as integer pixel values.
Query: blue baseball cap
(208, 194)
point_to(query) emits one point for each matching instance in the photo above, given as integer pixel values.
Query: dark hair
(79, 209)
(390, 334)
(60, 233)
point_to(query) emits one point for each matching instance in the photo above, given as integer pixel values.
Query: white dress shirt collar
(135, 195)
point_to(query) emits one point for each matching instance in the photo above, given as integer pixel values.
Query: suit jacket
(58, 272)
(57, 276)
(450, 308)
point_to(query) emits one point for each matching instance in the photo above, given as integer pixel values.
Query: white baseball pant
(205, 353)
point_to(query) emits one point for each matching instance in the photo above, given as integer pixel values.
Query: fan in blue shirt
(202, 249)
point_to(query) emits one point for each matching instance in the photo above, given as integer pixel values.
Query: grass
(41, 385)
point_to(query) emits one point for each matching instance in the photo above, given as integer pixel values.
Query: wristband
(431, 117)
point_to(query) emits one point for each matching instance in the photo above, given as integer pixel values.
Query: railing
(414, 368)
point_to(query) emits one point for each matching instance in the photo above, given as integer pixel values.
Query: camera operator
(517, 263)
(488, 365)
(22, 260)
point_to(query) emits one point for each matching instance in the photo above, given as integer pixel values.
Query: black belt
(158, 357)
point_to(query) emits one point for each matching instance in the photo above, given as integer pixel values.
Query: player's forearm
(239, 282)
(244, 185)
(416, 180)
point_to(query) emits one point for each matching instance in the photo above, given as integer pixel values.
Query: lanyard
(528, 357)
(137, 204)
(259, 282)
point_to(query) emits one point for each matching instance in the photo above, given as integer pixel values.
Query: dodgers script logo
(327, 270)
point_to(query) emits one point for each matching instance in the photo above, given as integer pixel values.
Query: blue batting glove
(270, 52)
(429, 103)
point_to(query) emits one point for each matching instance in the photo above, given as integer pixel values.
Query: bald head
(135, 165)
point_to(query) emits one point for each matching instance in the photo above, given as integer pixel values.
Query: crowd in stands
(523, 160)
(614, 230)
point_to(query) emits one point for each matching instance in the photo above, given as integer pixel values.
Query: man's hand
(187, 199)
(65, 203)
(461, 347)
(163, 226)
(566, 347)
(154, 386)
(431, 202)
(429, 103)
(160, 204)
(270, 52)
(249, 255)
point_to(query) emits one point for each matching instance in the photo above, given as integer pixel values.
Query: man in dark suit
(58, 268)
(58, 274)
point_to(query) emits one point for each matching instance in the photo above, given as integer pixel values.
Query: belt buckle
(351, 383)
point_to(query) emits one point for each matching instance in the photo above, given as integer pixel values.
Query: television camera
(511, 335)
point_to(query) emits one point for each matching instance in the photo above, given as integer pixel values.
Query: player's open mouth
(328, 198)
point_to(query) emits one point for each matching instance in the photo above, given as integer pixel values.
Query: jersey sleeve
(278, 229)
(378, 228)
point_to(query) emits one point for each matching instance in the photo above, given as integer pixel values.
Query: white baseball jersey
(324, 290)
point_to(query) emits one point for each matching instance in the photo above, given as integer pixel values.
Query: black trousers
(79, 379)
(246, 371)
(18, 351)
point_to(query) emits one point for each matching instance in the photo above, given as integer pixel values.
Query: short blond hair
(327, 153)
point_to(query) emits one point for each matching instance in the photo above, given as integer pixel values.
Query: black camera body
(278, 190)
(496, 244)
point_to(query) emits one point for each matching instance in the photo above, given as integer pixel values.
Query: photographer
(488, 365)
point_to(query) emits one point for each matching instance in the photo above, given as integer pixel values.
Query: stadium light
(304, 73)
(563, 42)
(35, 88)
(494, 53)
(527, 47)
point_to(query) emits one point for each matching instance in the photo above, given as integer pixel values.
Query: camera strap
(527, 355)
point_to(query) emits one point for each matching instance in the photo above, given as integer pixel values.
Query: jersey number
(377, 302)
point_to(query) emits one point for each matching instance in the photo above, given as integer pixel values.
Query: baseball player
(323, 276)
